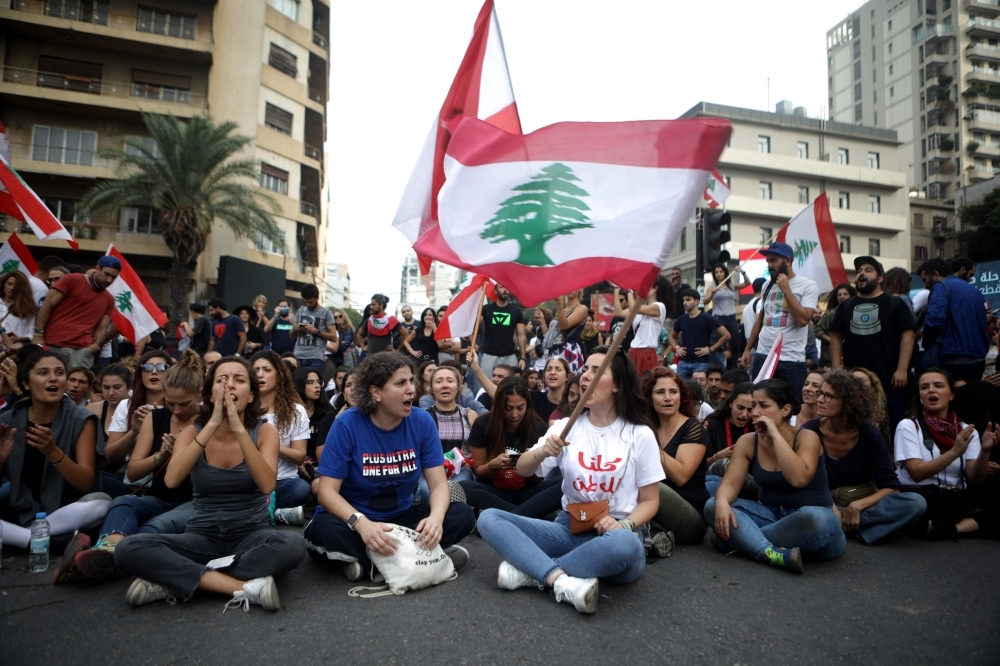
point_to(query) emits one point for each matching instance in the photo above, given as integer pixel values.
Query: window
(289, 8)
(164, 87)
(146, 142)
(171, 24)
(845, 244)
(802, 150)
(892, 91)
(919, 252)
(63, 146)
(70, 75)
(890, 24)
(763, 144)
(874, 204)
(875, 120)
(872, 160)
(890, 47)
(923, 102)
(63, 209)
(874, 97)
(918, 220)
(684, 239)
(843, 156)
(139, 220)
(803, 194)
(874, 76)
(283, 61)
(274, 179)
(265, 244)
(764, 190)
(874, 247)
(78, 10)
(890, 70)
(857, 71)
(764, 235)
(278, 119)
(857, 113)
(857, 49)
(844, 200)
(857, 92)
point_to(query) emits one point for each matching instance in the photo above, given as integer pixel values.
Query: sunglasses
(337, 317)
(149, 367)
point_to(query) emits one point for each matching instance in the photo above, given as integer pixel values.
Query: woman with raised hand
(942, 458)
(161, 510)
(283, 409)
(611, 473)
(231, 455)
(859, 469)
(570, 320)
(682, 455)
(129, 415)
(793, 515)
(374, 456)
(723, 296)
(723, 428)
(555, 378)
(255, 336)
(648, 322)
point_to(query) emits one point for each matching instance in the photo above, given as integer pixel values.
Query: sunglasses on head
(149, 367)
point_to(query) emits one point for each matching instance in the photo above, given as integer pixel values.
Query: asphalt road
(901, 602)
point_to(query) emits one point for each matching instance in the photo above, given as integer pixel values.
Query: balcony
(320, 41)
(309, 209)
(982, 173)
(984, 149)
(987, 8)
(982, 27)
(983, 75)
(28, 158)
(941, 60)
(984, 120)
(313, 152)
(983, 51)
(316, 95)
(939, 31)
(939, 154)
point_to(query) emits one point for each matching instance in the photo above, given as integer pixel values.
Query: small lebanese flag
(14, 255)
(771, 362)
(571, 204)
(481, 89)
(136, 314)
(459, 320)
(814, 240)
(716, 192)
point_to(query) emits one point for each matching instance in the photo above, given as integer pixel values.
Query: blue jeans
(129, 514)
(170, 522)
(793, 372)
(317, 364)
(291, 492)
(813, 529)
(539, 547)
(712, 483)
(891, 513)
(687, 368)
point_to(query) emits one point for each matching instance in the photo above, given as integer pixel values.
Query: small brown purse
(584, 515)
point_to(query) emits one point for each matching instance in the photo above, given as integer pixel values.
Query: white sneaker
(260, 591)
(143, 592)
(510, 577)
(353, 570)
(581, 592)
(293, 516)
(459, 556)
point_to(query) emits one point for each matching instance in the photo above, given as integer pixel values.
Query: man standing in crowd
(788, 305)
(963, 268)
(378, 330)
(695, 329)
(229, 336)
(876, 331)
(201, 334)
(74, 318)
(502, 324)
(313, 329)
(955, 320)
(679, 288)
(280, 327)
(40, 281)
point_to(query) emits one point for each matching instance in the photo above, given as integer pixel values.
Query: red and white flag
(771, 362)
(459, 320)
(571, 204)
(14, 255)
(481, 89)
(814, 240)
(716, 192)
(136, 314)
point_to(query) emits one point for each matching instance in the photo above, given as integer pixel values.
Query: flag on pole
(136, 314)
(716, 192)
(481, 89)
(771, 362)
(459, 320)
(814, 241)
(571, 204)
(14, 255)
(20, 201)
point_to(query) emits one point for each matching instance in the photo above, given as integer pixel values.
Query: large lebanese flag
(459, 320)
(481, 89)
(814, 240)
(136, 314)
(570, 204)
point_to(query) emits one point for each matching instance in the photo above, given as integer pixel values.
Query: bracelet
(199, 443)
(60, 460)
(628, 524)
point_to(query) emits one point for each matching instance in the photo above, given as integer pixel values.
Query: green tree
(545, 208)
(353, 315)
(192, 177)
(980, 238)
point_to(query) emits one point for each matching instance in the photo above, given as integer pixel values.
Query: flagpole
(479, 317)
(739, 268)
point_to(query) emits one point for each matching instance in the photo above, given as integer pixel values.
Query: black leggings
(533, 500)
(946, 507)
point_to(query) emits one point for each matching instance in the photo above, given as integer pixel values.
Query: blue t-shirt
(226, 333)
(380, 468)
(696, 332)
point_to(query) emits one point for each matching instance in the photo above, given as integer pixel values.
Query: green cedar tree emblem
(124, 301)
(546, 207)
(711, 183)
(803, 248)
(10, 265)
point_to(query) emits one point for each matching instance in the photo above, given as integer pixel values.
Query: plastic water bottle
(38, 559)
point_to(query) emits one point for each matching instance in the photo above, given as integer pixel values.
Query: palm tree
(191, 177)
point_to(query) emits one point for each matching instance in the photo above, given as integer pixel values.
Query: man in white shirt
(788, 305)
(751, 310)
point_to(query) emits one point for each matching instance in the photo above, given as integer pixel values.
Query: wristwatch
(353, 520)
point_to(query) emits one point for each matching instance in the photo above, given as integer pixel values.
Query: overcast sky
(393, 61)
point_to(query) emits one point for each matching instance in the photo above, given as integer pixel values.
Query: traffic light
(715, 235)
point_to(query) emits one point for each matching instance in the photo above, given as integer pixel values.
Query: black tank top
(180, 494)
(775, 490)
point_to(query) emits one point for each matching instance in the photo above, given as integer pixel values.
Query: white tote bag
(410, 567)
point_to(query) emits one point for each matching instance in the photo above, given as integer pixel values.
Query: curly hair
(897, 282)
(855, 397)
(24, 301)
(688, 406)
(285, 397)
(376, 370)
(251, 413)
(880, 409)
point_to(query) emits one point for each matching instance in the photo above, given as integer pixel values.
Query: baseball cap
(107, 261)
(861, 261)
(780, 249)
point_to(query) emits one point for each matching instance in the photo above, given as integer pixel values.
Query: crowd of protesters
(877, 415)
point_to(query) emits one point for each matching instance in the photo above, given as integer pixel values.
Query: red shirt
(74, 319)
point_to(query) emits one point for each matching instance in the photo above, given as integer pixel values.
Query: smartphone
(514, 457)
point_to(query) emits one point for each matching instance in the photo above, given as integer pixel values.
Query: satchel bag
(844, 495)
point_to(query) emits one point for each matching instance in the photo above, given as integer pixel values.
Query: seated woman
(309, 387)
(810, 397)
(424, 378)
(942, 458)
(859, 469)
(497, 441)
(454, 422)
(284, 410)
(555, 377)
(345, 399)
(52, 454)
(793, 515)
(568, 403)
(231, 455)
(161, 510)
(531, 378)
(682, 455)
(115, 382)
(880, 410)
(610, 461)
(723, 428)
(354, 507)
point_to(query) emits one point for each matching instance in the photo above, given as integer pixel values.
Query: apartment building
(337, 286)
(422, 291)
(777, 163)
(930, 69)
(76, 75)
